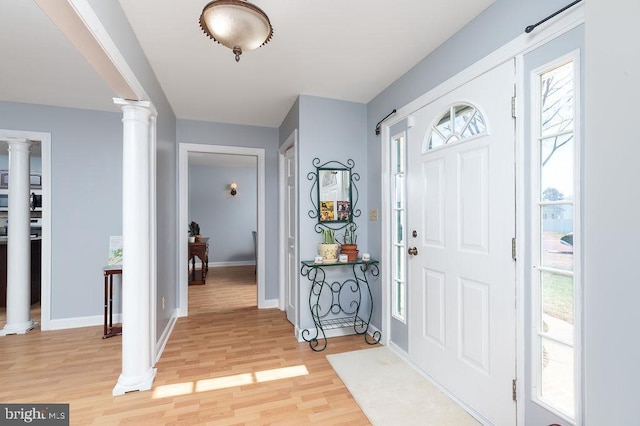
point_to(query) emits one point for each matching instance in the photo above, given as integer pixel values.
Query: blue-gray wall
(611, 206)
(201, 132)
(290, 123)
(330, 130)
(227, 220)
(86, 198)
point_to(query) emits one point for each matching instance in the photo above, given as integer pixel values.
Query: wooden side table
(109, 329)
(201, 250)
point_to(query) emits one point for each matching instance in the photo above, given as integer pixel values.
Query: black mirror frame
(314, 177)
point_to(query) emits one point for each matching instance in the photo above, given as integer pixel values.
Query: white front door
(461, 221)
(291, 267)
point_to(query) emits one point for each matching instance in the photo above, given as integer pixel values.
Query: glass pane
(475, 127)
(557, 236)
(398, 270)
(557, 375)
(399, 155)
(436, 140)
(465, 122)
(556, 171)
(444, 126)
(399, 191)
(463, 114)
(557, 306)
(556, 98)
(399, 226)
(399, 299)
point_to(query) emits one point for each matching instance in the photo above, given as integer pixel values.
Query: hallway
(227, 363)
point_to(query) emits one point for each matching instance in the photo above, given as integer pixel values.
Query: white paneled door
(291, 295)
(461, 221)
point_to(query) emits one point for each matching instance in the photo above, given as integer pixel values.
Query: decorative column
(137, 372)
(18, 241)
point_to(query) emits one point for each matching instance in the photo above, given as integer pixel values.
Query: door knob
(413, 251)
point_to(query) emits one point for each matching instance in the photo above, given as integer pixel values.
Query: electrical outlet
(373, 215)
(163, 303)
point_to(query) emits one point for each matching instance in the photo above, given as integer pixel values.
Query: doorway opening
(187, 151)
(40, 163)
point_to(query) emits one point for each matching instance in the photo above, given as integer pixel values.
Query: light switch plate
(373, 215)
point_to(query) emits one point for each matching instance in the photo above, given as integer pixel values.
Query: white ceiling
(348, 50)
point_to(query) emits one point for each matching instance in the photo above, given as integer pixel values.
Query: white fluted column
(18, 241)
(137, 371)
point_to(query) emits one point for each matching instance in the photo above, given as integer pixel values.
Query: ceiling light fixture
(236, 24)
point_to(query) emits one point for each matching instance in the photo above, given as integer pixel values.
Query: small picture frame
(366, 257)
(317, 259)
(343, 258)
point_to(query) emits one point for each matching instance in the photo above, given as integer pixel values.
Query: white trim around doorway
(183, 200)
(292, 141)
(45, 286)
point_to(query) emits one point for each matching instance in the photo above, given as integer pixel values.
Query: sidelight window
(399, 216)
(556, 239)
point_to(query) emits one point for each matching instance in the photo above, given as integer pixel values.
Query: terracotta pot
(351, 250)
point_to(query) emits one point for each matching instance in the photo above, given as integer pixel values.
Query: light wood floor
(228, 363)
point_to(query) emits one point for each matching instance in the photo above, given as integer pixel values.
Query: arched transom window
(460, 122)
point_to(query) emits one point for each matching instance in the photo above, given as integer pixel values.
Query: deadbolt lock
(414, 233)
(413, 251)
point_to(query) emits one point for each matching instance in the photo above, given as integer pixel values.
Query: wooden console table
(201, 250)
(109, 272)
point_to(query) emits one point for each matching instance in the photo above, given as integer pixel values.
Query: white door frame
(517, 48)
(45, 283)
(183, 218)
(291, 141)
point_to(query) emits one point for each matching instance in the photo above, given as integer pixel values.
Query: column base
(131, 384)
(21, 328)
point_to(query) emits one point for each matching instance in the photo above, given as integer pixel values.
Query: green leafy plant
(350, 236)
(194, 229)
(328, 236)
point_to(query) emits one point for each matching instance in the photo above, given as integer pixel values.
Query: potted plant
(349, 242)
(194, 231)
(328, 248)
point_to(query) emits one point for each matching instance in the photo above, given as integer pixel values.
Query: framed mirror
(334, 195)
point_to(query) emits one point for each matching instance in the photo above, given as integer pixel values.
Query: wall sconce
(234, 187)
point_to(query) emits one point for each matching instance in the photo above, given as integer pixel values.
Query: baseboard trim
(232, 263)
(164, 338)
(269, 304)
(78, 322)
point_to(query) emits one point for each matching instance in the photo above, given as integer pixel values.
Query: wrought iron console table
(338, 304)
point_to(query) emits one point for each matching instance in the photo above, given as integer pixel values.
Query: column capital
(124, 103)
(19, 144)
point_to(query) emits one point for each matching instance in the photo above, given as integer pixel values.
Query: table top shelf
(312, 264)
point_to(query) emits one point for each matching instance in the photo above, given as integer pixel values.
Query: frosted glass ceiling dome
(236, 24)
